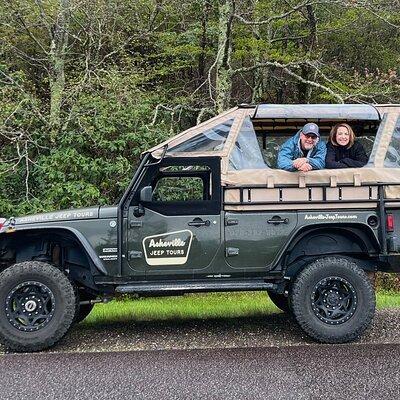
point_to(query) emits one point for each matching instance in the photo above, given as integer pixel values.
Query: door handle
(276, 220)
(199, 222)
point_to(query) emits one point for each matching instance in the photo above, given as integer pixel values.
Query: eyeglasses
(310, 136)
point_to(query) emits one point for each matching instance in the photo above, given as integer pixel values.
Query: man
(304, 151)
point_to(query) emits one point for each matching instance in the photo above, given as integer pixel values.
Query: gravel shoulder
(274, 330)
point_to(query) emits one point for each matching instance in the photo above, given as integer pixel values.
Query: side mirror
(146, 194)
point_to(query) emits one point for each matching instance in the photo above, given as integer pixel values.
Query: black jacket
(341, 157)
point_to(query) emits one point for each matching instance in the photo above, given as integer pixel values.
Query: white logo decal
(110, 250)
(110, 257)
(170, 248)
(330, 217)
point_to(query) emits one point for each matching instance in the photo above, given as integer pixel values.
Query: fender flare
(367, 242)
(78, 235)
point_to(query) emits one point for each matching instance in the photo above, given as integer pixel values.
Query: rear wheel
(280, 300)
(37, 306)
(333, 300)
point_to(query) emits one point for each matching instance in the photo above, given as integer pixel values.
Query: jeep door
(173, 225)
(253, 240)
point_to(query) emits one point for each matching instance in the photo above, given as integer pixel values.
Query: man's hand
(305, 167)
(298, 162)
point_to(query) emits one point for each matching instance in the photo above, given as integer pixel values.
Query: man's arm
(318, 160)
(285, 157)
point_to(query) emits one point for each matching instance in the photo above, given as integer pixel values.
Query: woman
(343, 151)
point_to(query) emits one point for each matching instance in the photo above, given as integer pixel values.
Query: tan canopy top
(226, 127)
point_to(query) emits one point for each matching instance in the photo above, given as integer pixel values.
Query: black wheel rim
(30, 306)
(334, 300)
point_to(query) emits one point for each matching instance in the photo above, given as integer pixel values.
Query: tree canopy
(87, 85)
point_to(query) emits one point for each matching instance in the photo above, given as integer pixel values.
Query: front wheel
(333, 300)
(37, 306)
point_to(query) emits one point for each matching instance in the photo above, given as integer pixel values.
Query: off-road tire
(306, 312)
(63, 302)
(281, 301)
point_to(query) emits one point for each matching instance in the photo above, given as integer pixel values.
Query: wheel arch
(65, 247)
(352, 241)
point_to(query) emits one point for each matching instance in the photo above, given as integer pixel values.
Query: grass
(388, 300)
(200, 306)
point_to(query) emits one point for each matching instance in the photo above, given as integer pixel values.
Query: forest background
(86, 85)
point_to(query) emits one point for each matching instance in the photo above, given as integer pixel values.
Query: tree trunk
(223, 74)
(304, 89)
(258, 76)
(203, 41)
(58, 45)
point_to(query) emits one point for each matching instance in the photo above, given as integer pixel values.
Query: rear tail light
(389, 222)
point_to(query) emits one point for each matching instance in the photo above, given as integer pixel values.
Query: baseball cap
(311, 129)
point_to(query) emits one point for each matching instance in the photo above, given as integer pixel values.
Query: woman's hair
(332, 135)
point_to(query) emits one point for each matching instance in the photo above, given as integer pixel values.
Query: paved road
(357, 371)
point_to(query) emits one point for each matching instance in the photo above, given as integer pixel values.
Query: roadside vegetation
(201, 306)
(87, 85)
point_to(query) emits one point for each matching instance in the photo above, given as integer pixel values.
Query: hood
(62, 215)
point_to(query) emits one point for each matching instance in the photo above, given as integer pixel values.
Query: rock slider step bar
(194, 287)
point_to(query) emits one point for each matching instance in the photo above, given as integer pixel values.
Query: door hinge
(135, 254)
(136, 224)
(231, 251)
(230, 222)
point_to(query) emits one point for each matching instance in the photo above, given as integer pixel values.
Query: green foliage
(124, 59)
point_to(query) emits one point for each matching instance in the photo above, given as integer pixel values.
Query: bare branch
(289, 72)
(19, 18)
(367, 7)
(36, 109)
(286, 14)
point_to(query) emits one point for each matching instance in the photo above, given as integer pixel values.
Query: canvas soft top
(346, 112)
(374, 172)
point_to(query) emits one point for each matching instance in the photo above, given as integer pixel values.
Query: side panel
(253, 240)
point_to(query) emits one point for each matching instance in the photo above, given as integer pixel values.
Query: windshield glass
(208, 141)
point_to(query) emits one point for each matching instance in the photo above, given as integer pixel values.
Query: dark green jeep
(209, 211)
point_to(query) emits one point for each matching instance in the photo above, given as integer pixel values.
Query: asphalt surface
(296, 372)
(232, 358)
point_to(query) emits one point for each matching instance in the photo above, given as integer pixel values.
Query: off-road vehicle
(209, 211)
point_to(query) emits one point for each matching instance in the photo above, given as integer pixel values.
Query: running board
(194, 287)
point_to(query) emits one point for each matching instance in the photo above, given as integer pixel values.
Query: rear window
(392, 158)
